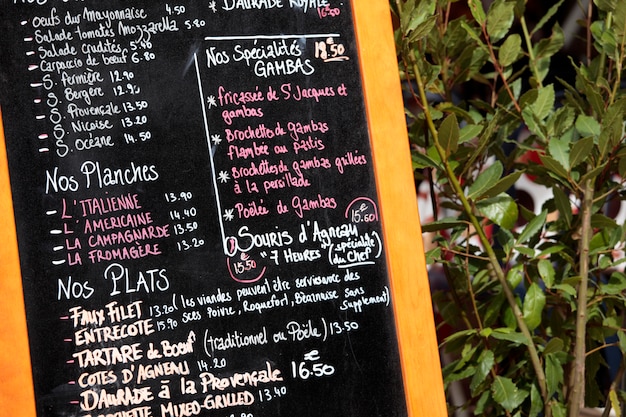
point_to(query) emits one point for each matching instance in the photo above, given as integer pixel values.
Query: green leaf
(591, 175)
(415, 13)
(482, 402)
(599, 242)
(553, 248)
(506, 393)
(561, 121)
(544, 19)
(563, 205)
(546, 272)
(588, 126)
(558, 409)
(449, 134)
(612, 126)
(559, 150)
(554, 373)
(510, 335)
(615, 404)
(536, 403)
(443, 224)
(421, 161)
(600, 221)
(485, 180)
(554, 166)
(567, 289)
(606, 5)
(515, 275)
(499, 19)
(485, 363)
(533, 123)
(534, 302)
(502, 210)
(510, 50)
(533, 227)
(581, 150)
(544, 103)
(476, 7)
(619, 24)
(473, 33)
(528, 252)
(423, 29)
(503, 184)
(469, 132)
(554, 345)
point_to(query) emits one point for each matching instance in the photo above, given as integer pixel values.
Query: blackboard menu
(196, 209)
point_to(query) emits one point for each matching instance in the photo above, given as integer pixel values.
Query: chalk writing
(197, 209)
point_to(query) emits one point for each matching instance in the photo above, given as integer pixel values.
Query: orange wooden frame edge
(396, 191)
(414, 317)
(16, 384)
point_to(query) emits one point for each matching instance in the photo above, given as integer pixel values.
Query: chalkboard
(197, 212)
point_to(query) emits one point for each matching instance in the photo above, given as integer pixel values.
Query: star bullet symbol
(229, 214)
(223, 177)
(213, 6)
(216, 139)
(211, 101)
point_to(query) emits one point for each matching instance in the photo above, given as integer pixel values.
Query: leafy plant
(534, 297)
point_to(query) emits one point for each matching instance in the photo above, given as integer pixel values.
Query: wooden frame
(407, 270)
(413, 306)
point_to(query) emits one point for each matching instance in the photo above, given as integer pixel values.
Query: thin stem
(577, 376)
(604, 346)
(531, 52)
(498, 68)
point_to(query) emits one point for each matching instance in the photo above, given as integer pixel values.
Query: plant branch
(493, 260)
(576, 396)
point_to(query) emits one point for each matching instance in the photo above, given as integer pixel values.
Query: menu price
(197, 215)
